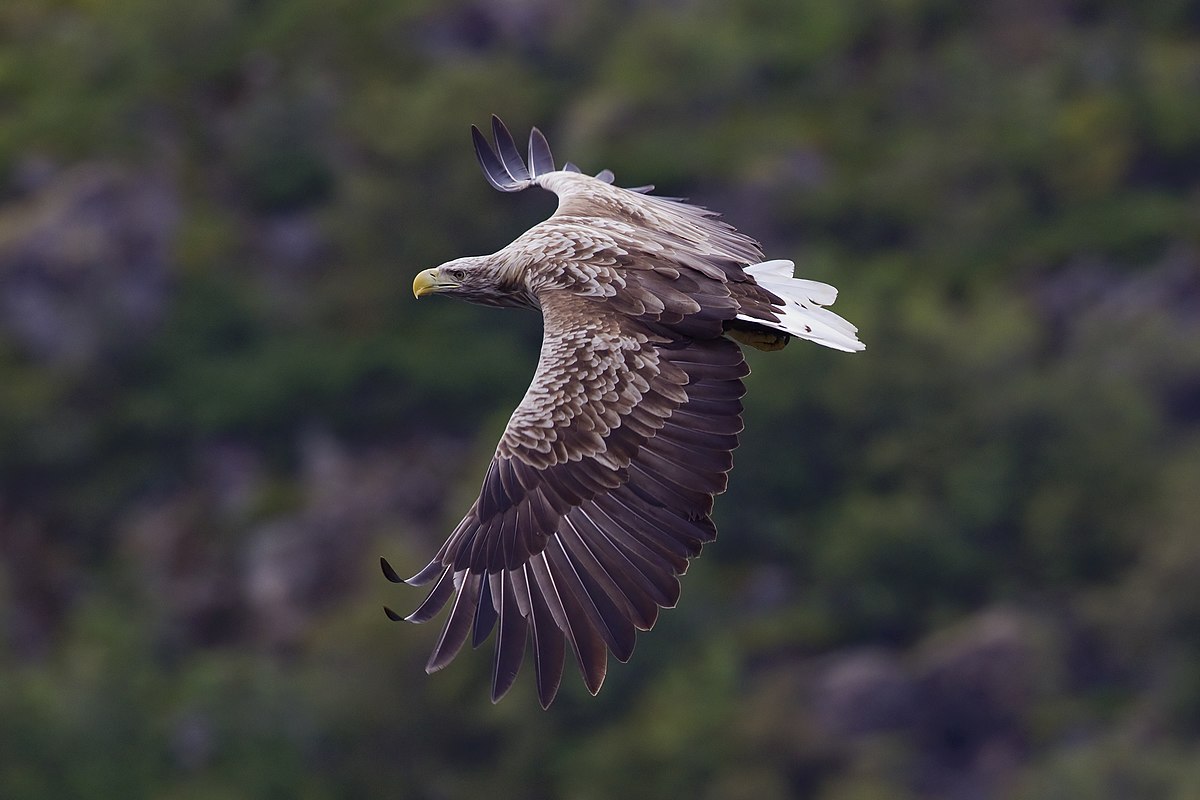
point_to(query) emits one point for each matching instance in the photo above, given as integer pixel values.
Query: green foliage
(1006, 196)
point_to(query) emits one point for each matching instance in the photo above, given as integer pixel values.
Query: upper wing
(507, 172)
(671, 235)
(670, 220)
(660, 246)
(599, 493)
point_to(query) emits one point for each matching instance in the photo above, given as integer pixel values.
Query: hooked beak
(425, 283)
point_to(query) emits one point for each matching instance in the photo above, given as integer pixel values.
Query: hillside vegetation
(962, 564)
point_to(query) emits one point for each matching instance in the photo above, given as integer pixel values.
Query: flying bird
(602, 485)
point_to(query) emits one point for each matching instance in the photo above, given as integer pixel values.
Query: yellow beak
(426, 282)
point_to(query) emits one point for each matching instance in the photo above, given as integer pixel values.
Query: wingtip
(506, 148)
(499, 690)
(595, 682)
(493, 167)
(389, 572)
(438, 660)
(541, 160)
(546, 698)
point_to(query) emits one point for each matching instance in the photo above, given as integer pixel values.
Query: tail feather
(803, 314)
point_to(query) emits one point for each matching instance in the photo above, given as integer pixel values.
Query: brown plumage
(603, 482)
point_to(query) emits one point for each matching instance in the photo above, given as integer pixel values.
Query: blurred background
(963, 564)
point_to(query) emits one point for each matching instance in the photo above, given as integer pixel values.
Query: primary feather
(603, 482)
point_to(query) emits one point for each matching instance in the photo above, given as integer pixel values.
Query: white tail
(803, 314)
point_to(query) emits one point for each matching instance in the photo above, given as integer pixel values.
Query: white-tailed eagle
(603, 482)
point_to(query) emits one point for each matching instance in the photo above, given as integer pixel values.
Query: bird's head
(477, 279)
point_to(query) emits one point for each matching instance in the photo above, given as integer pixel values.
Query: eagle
(602, 485)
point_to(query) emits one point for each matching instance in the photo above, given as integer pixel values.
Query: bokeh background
(963, 564)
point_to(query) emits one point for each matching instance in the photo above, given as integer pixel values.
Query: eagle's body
(603, 481)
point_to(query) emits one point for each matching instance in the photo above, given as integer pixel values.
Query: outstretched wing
(507, 172)
(671, 221)
(660, 246)
(599, 493)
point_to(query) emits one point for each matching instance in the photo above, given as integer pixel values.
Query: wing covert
(598, 495)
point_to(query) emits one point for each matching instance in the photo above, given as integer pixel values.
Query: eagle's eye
(456, 273)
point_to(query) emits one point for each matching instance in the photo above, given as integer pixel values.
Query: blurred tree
(199, 450)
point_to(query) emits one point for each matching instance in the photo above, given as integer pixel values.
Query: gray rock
(863, 692)
(85, 263)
